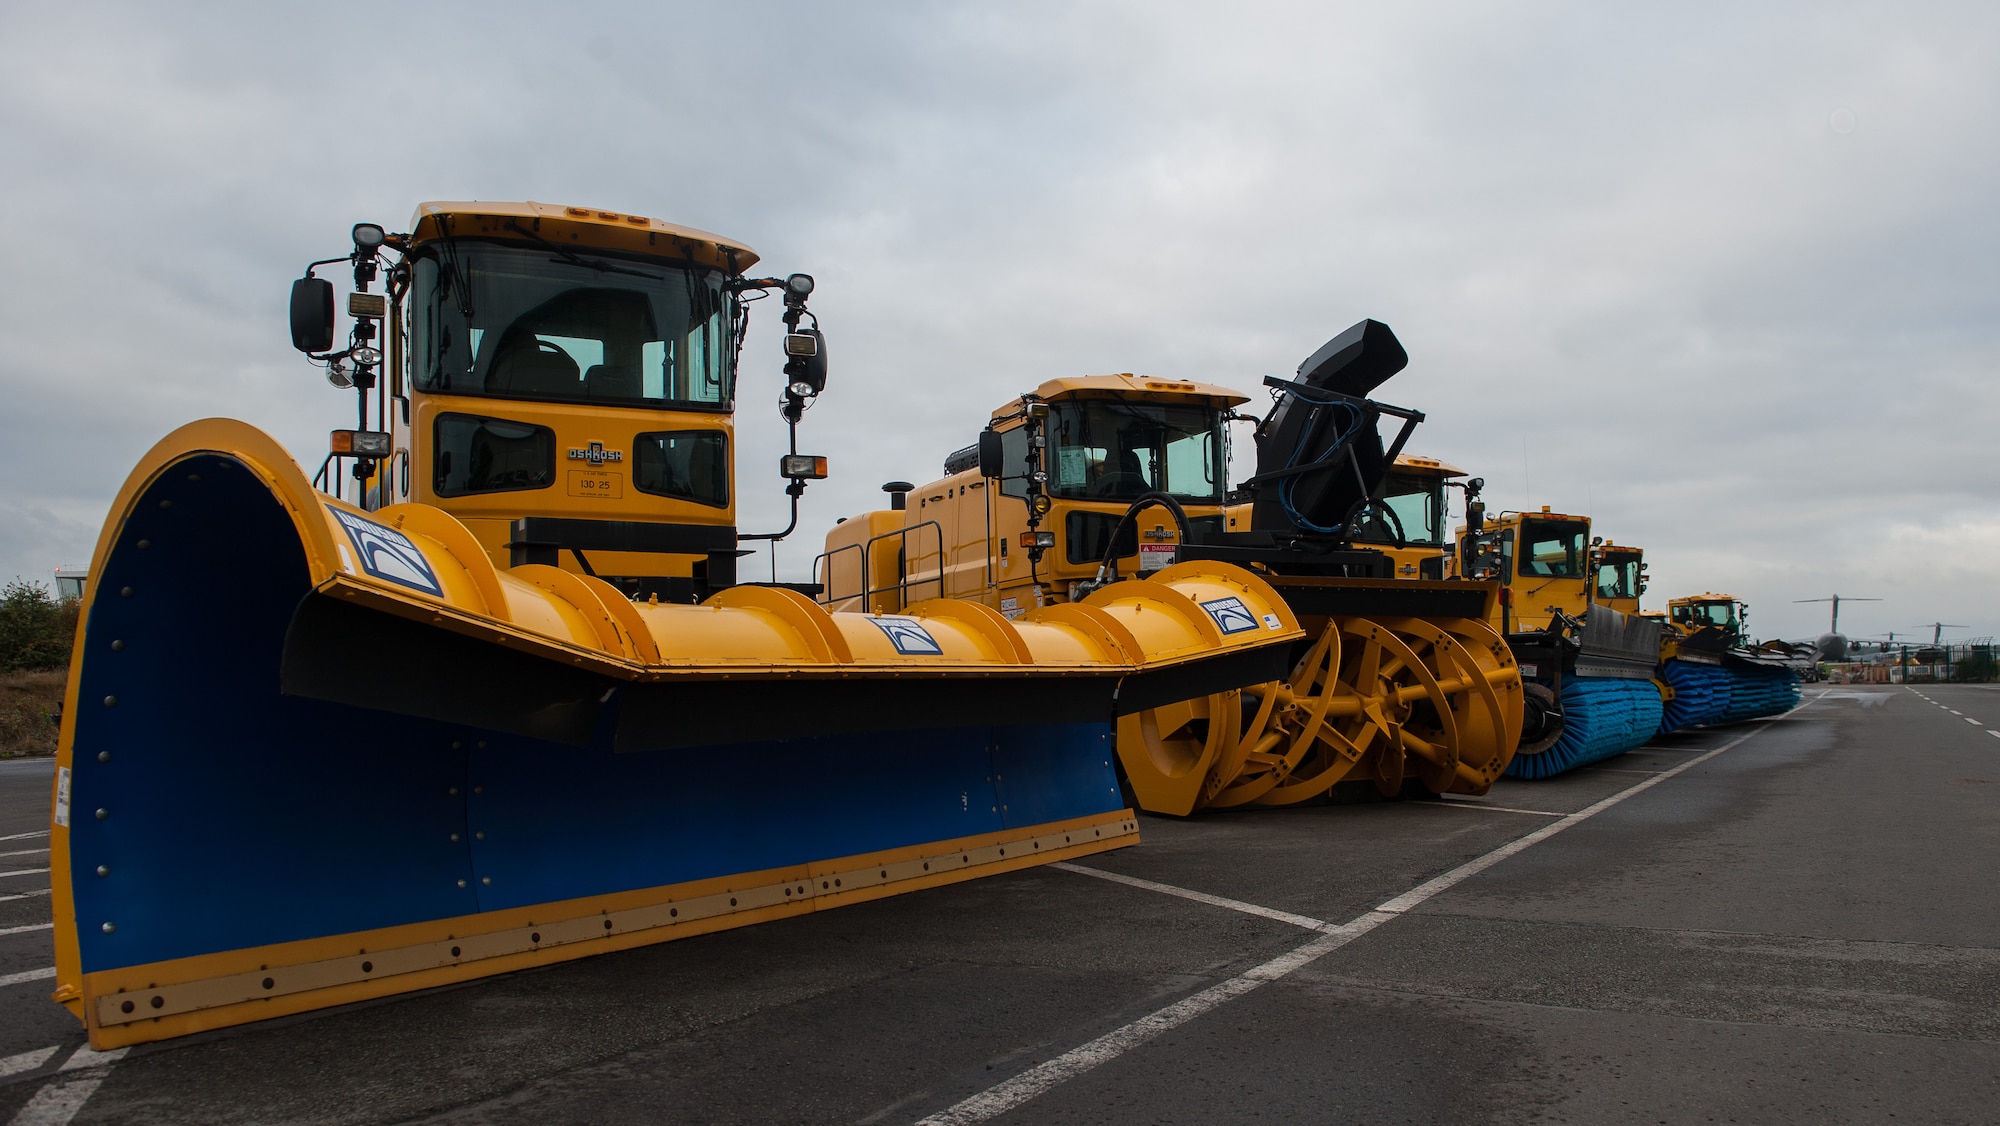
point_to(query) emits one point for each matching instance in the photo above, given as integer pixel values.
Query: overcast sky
(1722, 276)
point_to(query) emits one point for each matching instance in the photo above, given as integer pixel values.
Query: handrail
(866, 548)
(903, 579)
(826, 579)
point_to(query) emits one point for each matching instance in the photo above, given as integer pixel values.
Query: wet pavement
(1787, 921)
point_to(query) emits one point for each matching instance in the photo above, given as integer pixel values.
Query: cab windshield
(1553, 548)
(1104, 449)
(1618, 577)
(555, 325)
(1418, 503)
(1706, 614)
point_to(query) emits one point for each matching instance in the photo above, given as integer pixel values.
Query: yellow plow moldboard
(312, 755)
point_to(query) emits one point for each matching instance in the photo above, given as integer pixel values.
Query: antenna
(1836, 600)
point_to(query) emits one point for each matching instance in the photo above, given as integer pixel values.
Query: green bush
(1977, 667)
(30, 706)
(35, 628)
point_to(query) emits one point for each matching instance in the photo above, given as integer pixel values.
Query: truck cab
(1621, 576)
(1543, 561)
(1417, 541)
(560, 379)
(1073, 455)
(1724, 613)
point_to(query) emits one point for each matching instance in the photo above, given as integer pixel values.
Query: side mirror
(805, 362)
(312, 314)
(992, 460)
(1475, 516)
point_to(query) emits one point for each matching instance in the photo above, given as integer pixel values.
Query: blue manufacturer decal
(388, 554)
(1230, 615)
(909, 638)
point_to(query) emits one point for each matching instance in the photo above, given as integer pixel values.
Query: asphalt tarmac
(1789, 921)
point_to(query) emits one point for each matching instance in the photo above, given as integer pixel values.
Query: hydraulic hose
(1131, 513)
(1365, 504)
(1306, 435)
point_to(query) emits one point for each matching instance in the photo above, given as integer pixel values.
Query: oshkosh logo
(596, 454)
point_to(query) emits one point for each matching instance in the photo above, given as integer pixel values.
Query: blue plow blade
(1603, 717)
(216, 813)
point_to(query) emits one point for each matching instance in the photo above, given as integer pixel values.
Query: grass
(28, 703)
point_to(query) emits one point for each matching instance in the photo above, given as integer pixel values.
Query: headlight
(802, 467)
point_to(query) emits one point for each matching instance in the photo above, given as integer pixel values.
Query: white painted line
(88, 1056)
(1954, 711)
(1605, 769)
(1011, 1093)
(59, 1100)
(24, 895)
(43, 974)
(25, 836)
(1470, 868)
(1308, 923)
(26, 1061)
(24, 852)
(1003, 1097)
(29, 927)
(1494, 808)
(26, 872)
(1995, 734)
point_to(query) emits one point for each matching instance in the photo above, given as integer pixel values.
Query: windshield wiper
(573, 258)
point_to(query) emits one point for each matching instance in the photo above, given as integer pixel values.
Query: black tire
(1541, 720)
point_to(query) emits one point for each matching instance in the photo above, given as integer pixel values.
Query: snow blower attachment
(1399, 684)
(318, 750)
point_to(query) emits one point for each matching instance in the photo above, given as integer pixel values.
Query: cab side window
(476, 454)
(1014, 447)
(687, 464)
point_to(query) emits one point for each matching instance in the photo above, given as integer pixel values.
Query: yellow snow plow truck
(484, 693)
(1080, 488)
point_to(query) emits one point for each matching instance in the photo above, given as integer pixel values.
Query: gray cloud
(1722, 277)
